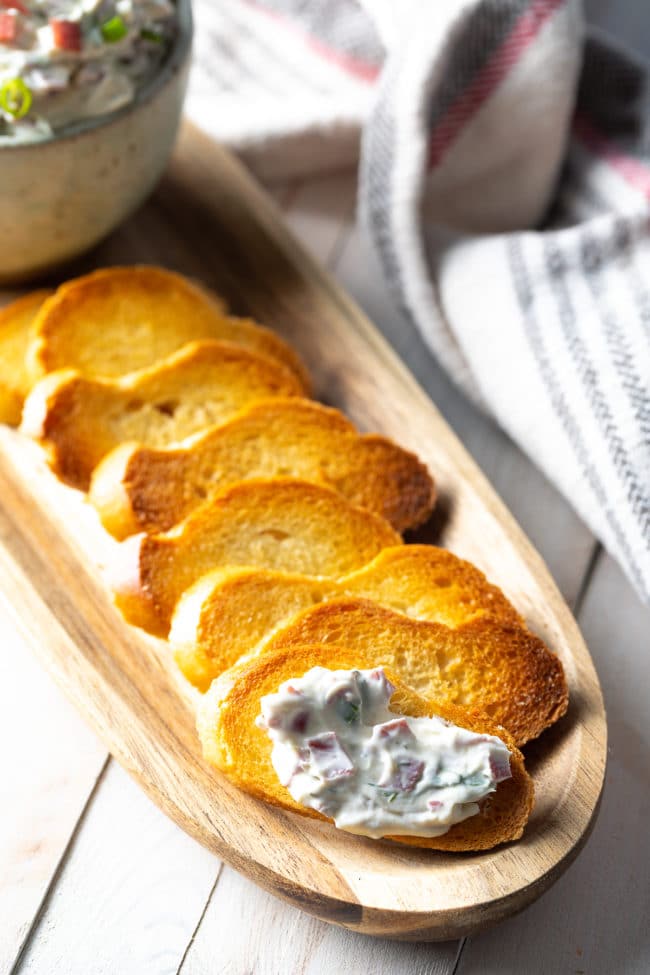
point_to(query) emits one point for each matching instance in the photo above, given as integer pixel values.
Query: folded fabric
(505, 184)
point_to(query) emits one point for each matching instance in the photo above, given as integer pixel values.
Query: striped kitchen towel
(505, 184)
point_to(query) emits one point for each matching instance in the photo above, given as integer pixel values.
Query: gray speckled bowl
(60, 196)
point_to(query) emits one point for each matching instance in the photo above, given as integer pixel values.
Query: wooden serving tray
(210, 220)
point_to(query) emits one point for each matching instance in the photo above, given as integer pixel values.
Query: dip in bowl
(90, 99)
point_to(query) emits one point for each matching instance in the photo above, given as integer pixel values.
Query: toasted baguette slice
(139, 489)
(79, 420)
(503, 670)
(16, 320)
(229, 611)
(281, 523)
(122, 319)
(232, 741)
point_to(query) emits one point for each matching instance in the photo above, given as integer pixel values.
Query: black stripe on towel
(376, 185)
(480, 36)
(533, 332)
(593, 255)
(587, 372)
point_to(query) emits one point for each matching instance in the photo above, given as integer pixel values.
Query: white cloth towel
(505, 184)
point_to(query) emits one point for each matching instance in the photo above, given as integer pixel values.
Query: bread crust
(228, 612)
(119, 320)
(16, 321)
(233, 743)
(279, 523)
(140, 489)
(500, 668)
(79, 420)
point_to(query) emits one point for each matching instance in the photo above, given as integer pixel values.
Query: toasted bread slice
(503, 670)
(139, 489)
(79, 420)
(229, 611)
(232, 741)
(122, 319)
(280, 523)
(16, 320)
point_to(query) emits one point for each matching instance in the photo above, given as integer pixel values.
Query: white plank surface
(129, 895)
(247, 930)
(50, 762)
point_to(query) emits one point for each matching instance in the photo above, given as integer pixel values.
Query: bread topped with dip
(325, 732)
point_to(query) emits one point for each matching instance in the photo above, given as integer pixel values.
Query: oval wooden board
(209, 219)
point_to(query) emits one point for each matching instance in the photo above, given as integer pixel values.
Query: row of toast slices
(259, 530)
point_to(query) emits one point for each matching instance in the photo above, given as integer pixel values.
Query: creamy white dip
(339, 749)
(62, 61)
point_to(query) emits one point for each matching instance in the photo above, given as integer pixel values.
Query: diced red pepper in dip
(500, 769)
(300, 721)
(398, 728)
(8, 28)
(407, 775)
(328, 756)
(66, 34)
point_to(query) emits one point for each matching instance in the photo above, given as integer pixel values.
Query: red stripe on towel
(523, 33)
(363, 70)
(360, 69)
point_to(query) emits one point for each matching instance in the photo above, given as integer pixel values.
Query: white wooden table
(94, 879)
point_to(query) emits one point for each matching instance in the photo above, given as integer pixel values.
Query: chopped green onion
(440, 781)
(390, 796)
(350, 712)
(15, 98)
(114, 30)
(151, 35)
(475, 779)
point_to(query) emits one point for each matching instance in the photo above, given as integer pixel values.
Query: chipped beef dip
(338, 749)
(62, 61)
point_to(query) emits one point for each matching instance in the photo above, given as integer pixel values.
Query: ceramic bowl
(60, 196)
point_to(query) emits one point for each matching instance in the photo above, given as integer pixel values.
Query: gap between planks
(59, 866)
(43, 788)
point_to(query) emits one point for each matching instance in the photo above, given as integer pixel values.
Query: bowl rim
(175, 59)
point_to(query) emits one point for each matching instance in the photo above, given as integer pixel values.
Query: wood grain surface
(212, 222)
